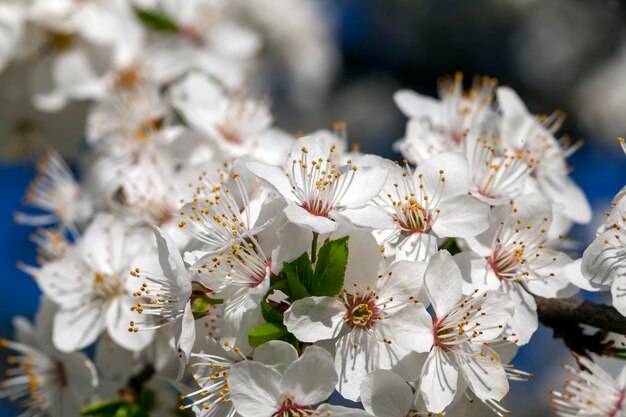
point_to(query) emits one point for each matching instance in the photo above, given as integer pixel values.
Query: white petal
(385, 394)
(603, 260)
(364, 259)
(172, 263)
(524, 322)
(618, 295)
(339, 411)
(312, 378)
(315, 318)
(187, 335)
(415, 105)
(118, 317)
(81, 374)
(455, 170)
(277, 354)
(301, 217)
(410, 327)
(461, 216)
(443, 283)
(254, 389)
(274, 178)
(484, 374)
(77, 328)
(403, 279)
(416, 247)
(477, 274)
(438, 383)
(575, 275)
(369, 216)
(364, 186)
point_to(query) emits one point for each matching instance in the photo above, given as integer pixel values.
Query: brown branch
(566, 315)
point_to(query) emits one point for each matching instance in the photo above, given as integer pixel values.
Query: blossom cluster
(204, 250)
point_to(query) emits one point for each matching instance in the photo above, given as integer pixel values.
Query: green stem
(314, 248)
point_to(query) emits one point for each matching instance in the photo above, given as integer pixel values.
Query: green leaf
(299, 277)
(330, 268)
(269, 314)
(290, 338)
(156, 21)
(105, 408)
(265, 332)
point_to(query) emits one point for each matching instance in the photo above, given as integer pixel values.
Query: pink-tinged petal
(301, 217)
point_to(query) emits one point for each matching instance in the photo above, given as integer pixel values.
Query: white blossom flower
(438, 126)
(207, 37)
(259, 390)
(364, 321)
(84, 41)
(41, 379)
(241, 274)
(534, 136)
(319, 193)
(166, 299)
(458, 337)
(56, 191)
(428, 203)
(224, 212)
(604, 261)
(515, 256)
(236, 124)
(93, 288)
(592, 392)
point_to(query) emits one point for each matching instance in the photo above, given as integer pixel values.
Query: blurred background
(559, 54)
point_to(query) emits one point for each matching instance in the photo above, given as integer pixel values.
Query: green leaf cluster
(299, 279)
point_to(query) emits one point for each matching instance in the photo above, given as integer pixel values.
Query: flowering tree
(207, 252)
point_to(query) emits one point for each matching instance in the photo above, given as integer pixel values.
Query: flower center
(412, 217)
(289, 408)
(362, 312)
(318, 183)
(107, 287)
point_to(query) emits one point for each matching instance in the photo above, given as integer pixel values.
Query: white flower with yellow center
(591, 392)
(428, 203)
(364, 321)
(535, 137)
(93, 288)
(234, 123)
(438, 126)
(241, 274)
(56, 191)
(40, 379)
(458, 337)
(320, 193)
(604, 261)
(515, 255)
(226, 212)
(260, 390)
